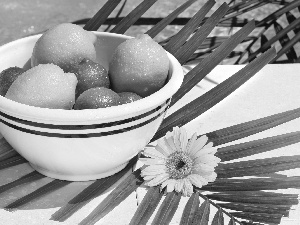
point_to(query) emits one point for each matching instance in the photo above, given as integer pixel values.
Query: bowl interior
(18, 53)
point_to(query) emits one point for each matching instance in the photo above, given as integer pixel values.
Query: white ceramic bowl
(81, 145)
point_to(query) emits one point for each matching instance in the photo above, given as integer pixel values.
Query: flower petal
(187, 187)
(207, 159)
(150, 161)
(179, 185)
(176, 136)
(170, 184)
(211, 178)
(153, 153)
(152, 173)
(197, 180)
(170, 142)
(154, 168)
(205, 151)
(183, 139)
(148, 177)
(209, 145)
(157, 180)
(191, 143)
(162, 148)
(198, 144)
(204, 173)
(203, 167)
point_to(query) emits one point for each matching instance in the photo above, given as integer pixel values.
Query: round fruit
(128, 97)
(7, 77)
(99, 97)
(139, 65)
(64, 45)
(89, 75)
(45, 86)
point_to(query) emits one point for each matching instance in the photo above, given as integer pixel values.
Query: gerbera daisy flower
(179, 163)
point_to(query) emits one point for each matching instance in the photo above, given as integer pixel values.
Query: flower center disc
(179, 165)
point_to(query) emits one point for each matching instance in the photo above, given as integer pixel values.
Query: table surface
(271, 90)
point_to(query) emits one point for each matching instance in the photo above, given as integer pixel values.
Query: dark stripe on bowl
(58, 135)
(83, 127)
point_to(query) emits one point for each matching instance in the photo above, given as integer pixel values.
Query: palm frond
(122, 191)
(189, 214)
(101, 16)
(178, 39)
(167, 209)
(159, 26)
(198, 106)
(133, 16)
(244, 201)
(257, 146)
(147, 206)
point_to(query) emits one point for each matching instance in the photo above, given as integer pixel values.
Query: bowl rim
(34, 113)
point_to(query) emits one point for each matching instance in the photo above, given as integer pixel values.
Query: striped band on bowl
(84, 130)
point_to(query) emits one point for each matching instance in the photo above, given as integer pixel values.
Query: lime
(128, 97)
(89, 75)
(99, 97)
(7, 77)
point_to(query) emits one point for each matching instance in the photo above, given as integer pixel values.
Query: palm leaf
(147, 206)
(121, 192)
(101, 16)
(260, 217)
(167, 20)
(259, 166)
(258, 146)
(167, 209)
(202, 213)
(133, 16)
(245, 196)
(291, 54)
(255, 197)
(242, 130)
(185, 51)
(190, 210)
(287, 46)
(253, 184)
(211, 61)
(198, 106)
(178, 39)
(218, 218)
(257, 208)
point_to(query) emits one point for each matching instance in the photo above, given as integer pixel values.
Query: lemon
(45, 86)
(139, 65)
(64, 45)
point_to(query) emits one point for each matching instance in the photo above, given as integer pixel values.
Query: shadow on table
(24, 188)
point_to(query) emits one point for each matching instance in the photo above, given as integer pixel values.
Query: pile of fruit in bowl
(64, 69)
(78, 105)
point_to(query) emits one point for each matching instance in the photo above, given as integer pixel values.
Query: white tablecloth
(276, 88)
